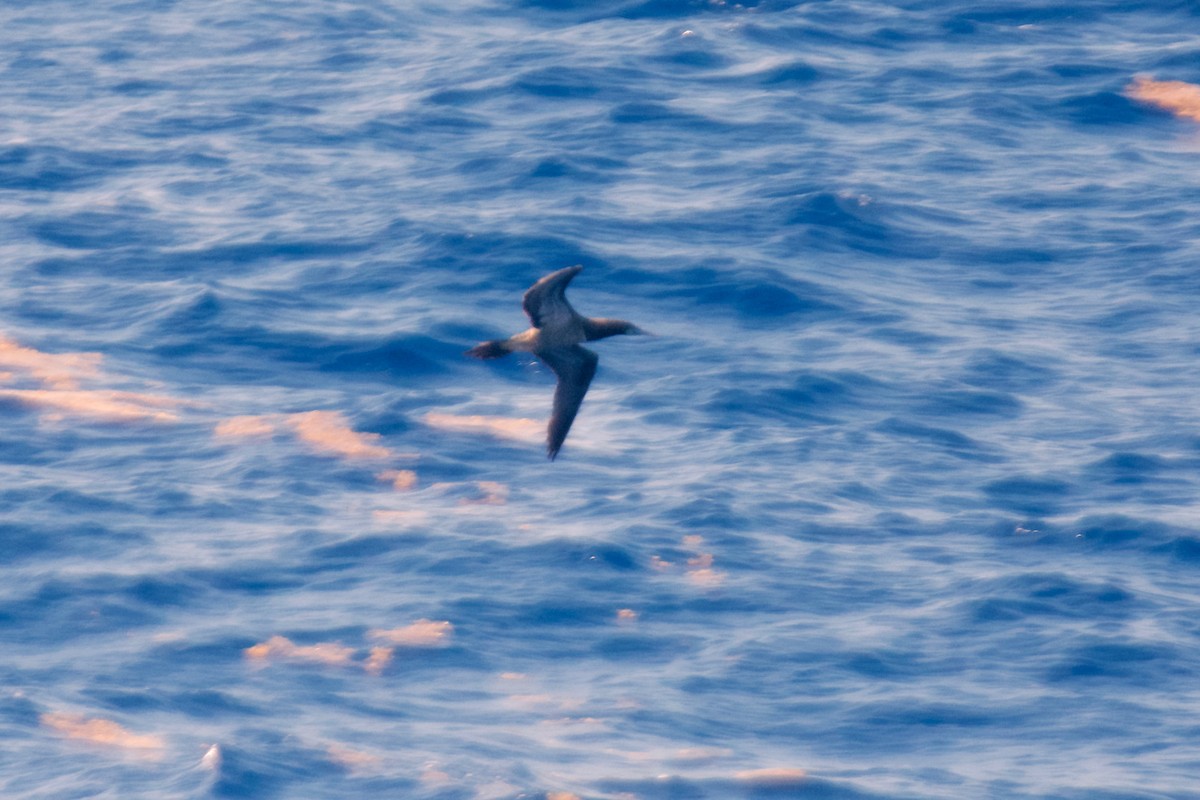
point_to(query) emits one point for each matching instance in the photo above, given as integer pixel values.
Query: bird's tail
(493, 349)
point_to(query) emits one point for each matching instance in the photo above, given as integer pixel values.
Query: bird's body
(556, 337)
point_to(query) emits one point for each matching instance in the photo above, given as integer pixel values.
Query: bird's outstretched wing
(545, 302)
(574, 367)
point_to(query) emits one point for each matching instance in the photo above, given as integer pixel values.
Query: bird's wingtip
(486, 350)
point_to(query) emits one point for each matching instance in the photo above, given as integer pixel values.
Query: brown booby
(555, 338)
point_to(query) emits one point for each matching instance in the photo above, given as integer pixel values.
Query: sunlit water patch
(899, 501)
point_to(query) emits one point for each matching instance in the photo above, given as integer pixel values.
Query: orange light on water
(100, 731)
(330, 653)
(422, 633)
(1178, 97)
(330, 432)
(54, 370)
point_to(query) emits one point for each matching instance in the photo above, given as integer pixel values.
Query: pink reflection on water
(96, 730)
(329, 653)
(329, 431)
(325, 431)
(402, 480)
(54, 370)
(351, 759)
(503, 427)
(422, 633)
(775, 777)
(1180, 98)
(57, 377)
(102, 404)
(246, 427)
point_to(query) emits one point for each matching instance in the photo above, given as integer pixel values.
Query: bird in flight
(555, 338)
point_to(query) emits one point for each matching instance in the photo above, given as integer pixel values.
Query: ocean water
(901, 500)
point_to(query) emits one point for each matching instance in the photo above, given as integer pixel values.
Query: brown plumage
(555, 338)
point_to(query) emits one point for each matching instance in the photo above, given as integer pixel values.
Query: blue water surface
(902, 500)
